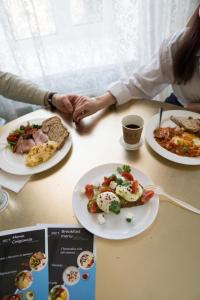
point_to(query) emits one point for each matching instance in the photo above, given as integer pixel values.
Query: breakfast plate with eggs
(178, 138)
(110, 201)
(34, 146)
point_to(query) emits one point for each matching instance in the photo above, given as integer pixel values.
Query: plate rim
(127, 236)
(184, 160)
(33, 171)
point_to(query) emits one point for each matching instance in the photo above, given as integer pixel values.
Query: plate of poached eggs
(110, 201)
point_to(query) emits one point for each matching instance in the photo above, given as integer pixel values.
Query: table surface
(161, 263)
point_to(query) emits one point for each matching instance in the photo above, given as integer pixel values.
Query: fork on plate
(159, 191)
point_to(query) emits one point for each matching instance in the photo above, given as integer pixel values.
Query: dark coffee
(132, 126)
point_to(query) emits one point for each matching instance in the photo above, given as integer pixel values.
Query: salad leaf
(125, 183)
(115, 207)
(119, 181)
(126, 168)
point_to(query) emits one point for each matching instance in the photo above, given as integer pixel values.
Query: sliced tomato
(89, 191)
(92, 207)
(106, 181)
(135, 185)
(13, 137)
(127, 176)
(147, 195)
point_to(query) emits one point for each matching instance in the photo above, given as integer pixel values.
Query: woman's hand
(193, 107)
(85, 106)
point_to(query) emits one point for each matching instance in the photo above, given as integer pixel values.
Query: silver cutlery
(160, 115)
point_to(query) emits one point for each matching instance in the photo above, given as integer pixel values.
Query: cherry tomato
(127, 176)
(135, 185)
(92, 207)
(147, 195)
(106, 181)
(89, 191)
(13, 137)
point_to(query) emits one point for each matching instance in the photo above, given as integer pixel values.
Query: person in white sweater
(177, 64)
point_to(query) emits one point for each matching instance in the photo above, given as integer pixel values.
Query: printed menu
(72, 265)
(47, 262)
(23, 264)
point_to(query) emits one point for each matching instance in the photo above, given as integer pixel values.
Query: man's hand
(63, 103)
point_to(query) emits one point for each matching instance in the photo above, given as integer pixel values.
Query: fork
(159, 191)
(160, 115)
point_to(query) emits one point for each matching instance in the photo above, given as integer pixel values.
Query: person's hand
(85, 106)
(63, 103)
(193, 107)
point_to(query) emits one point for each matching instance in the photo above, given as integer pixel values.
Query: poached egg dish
(104, 201)
(126, 193)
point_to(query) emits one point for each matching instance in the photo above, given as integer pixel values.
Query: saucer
(131, 147)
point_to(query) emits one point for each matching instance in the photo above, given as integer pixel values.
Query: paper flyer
(24, 264)
(72, 263)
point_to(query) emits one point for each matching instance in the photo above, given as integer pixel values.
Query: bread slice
(55, 130)
(190, 124)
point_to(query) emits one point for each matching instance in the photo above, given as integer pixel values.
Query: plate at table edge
(15, 164)
(166, 122)
(116, 226)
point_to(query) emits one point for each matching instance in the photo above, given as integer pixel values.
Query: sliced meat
(24, 146)
(39, 137)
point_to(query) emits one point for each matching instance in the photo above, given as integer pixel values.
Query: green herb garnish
(115, 207)
(125, 168)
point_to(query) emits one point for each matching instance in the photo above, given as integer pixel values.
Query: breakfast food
(178, 140)
(86, 260)
(39, 142)
(30, 295)
(41, 153)
(71, 275)
(55, 130)
(58, 292)
(189, 124)
(23, 280)
(22, 139)
(120, 190)
(37, 261)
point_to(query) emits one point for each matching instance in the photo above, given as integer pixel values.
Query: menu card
(23, 264)
(72, 265)
(47, 262)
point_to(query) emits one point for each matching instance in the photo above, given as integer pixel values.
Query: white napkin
(13, 182)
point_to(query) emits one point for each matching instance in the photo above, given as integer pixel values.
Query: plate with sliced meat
(111, 202)
(34, 146)
(178, 138)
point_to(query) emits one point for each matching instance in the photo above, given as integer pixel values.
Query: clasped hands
(81, 106)
(77, 106)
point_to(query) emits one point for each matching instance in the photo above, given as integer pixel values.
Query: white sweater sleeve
(148, 81)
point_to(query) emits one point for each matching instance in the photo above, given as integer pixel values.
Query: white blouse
(151, 79)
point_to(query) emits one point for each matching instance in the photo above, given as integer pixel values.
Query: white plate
(116, 226)
(166, 122)
(15, 163)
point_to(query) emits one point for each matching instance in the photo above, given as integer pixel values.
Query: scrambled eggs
(41, 153)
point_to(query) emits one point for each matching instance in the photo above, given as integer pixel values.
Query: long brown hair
(185, 59)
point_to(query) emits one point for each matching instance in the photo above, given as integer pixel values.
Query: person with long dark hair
(178, 65)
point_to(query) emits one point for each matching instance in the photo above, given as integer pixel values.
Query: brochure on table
(47, 262)
(23, 264)
(72, 265)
